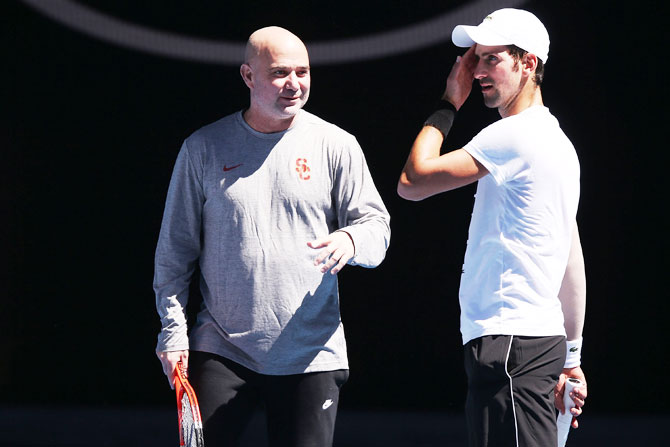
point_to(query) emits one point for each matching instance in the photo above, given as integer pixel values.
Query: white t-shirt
(521, 228)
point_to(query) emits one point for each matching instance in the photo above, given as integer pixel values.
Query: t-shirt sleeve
(360, 209)
(178, 250)
(495, 148)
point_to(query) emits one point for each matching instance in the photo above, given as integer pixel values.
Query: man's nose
(479, 72)
(292, 82)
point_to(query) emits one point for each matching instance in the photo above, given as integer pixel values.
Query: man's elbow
(409, 190)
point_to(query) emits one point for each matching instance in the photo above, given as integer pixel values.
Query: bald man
(271, 202)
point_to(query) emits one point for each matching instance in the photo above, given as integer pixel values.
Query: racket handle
(565, 419)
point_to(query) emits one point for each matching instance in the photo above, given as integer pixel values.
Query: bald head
(270, 40)
(276, 70)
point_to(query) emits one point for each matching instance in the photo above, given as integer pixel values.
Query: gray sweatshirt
(244, 204)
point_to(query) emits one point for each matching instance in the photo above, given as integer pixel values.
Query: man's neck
(265, 124)
(530, 96)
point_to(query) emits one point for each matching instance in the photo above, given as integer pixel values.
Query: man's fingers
(335, 263)
(332, 260)
(466, 61)
(337, 247)
(581, 392)
(169, 362)
(341, 257)
(469, 57)
(322, 256)
(576, 411)
(167, 365)
(184, 360)
(579, 398)
(340, 265)
(318, 243)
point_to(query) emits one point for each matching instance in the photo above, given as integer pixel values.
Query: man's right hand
(459, 82)
(169, 361)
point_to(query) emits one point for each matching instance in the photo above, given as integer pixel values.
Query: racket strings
(188, 424)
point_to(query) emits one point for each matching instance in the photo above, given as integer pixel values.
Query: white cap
(506, 27)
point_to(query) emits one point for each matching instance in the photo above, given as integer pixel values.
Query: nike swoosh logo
(327, 404)
(228, 168)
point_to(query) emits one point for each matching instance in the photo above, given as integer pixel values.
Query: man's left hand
(338, 249)
(579, 394)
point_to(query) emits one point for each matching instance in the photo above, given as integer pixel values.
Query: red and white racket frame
(182, 386)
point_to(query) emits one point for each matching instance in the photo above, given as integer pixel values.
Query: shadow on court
(97, 427)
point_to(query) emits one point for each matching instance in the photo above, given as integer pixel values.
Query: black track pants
(301, 408)
(510, 400)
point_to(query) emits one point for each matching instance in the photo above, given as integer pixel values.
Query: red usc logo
(302, 168)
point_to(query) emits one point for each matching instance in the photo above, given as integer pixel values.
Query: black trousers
(510, 400)
(300, 408)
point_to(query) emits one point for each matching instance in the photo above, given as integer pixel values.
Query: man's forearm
(573, 290)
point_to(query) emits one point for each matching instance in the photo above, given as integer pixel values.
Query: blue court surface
(97, 427)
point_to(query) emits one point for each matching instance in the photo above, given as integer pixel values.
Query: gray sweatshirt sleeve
(178, 251)
(361, 211)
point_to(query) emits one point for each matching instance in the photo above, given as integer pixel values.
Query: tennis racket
(190, 423)
(564, 419)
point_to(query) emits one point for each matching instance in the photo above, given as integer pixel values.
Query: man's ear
(247, 75)
(529, 62)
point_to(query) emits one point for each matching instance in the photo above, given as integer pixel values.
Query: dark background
(90, 132)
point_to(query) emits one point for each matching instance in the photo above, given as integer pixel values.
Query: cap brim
(466, 36)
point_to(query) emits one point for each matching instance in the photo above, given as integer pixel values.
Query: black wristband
(443, 117)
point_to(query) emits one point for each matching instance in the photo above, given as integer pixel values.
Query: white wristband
(574, 353)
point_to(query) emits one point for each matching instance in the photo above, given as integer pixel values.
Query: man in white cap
(522, 293)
